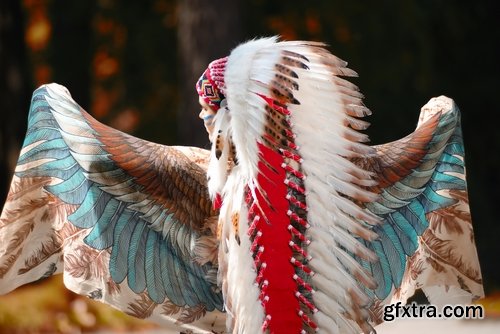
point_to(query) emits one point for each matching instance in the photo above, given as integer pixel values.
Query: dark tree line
(14, 89)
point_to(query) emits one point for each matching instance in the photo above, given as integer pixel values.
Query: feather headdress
(304, 244)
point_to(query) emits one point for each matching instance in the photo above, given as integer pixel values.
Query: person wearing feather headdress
(314, 231)
(317, 229)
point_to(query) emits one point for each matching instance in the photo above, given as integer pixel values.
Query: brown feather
(191, 314)
(396, 160)
(22, 186)
(286, 71)
(47, 249)
(142, 307)
(286, 81)
(445, 252)
(20, 236)
(292, 62)
(219, 145)
(164, 174)
(295, 55)
(9, 262)
(87, 262)
(169, 308)
(282, 93)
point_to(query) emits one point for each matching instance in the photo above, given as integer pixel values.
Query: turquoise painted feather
(150, 234)
(411, 189)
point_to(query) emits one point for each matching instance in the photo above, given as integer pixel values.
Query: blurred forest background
(133, 65)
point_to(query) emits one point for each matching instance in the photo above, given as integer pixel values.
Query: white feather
(244, 294)
(217, 168)
(335, 312)
(247, 110)
(319, 122)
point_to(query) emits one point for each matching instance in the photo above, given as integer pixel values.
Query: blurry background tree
(204, 32)
(14, 89)
(133, 65)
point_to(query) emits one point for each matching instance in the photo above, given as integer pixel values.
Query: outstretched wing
(423, 192)
(140, 213)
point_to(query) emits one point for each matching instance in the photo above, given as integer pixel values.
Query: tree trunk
(206, 31)
(14, 93)
(71, 47)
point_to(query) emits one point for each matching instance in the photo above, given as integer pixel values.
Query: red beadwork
(255, 242)
(304, 268)
(263, 294)
(291, 155)
(260, 275)
(265, 325)
(278, 299)
(307, 320)
(295, 172)
(299, 249)
(253, 226)
(296, 202)
(298, 234)
(256, 260)
(306, 302)
(252, 208)
(290, 134)
(265, 298)
(303, 283)
(292, 145)
(294, 186)
(298, 219)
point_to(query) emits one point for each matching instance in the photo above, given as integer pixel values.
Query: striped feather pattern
(411, 174)
(146, 203)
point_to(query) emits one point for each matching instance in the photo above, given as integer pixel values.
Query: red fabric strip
(282, 304)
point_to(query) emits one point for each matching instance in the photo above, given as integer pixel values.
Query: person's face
(207, 115)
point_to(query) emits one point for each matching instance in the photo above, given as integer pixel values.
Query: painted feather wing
(293, 201)
(144, 207)
(423, 204)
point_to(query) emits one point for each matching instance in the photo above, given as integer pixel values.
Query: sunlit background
(133, 65)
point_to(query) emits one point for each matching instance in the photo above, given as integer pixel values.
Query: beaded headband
(211, 85)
